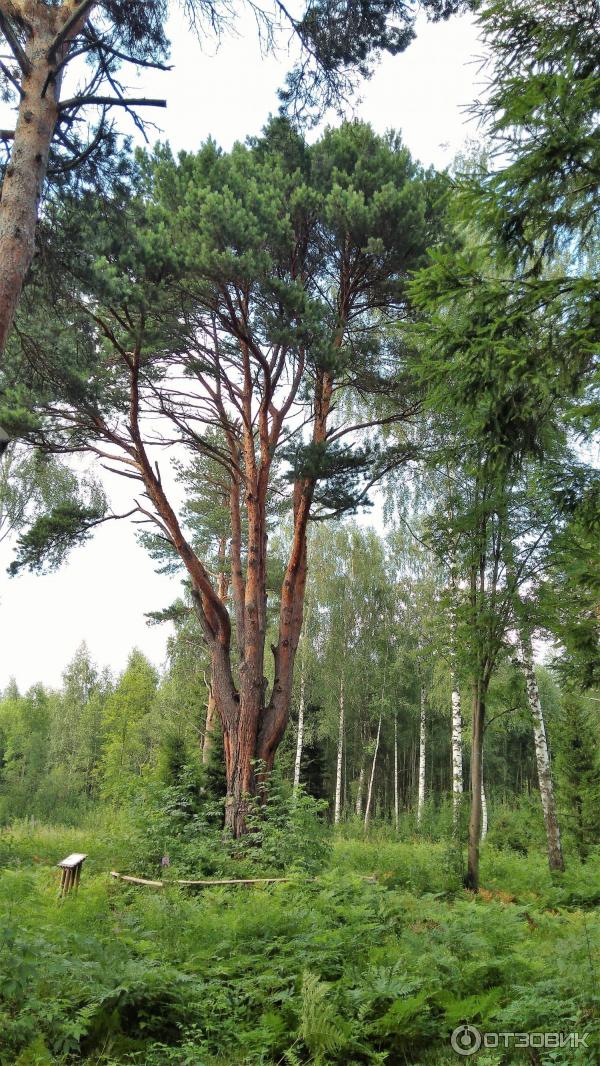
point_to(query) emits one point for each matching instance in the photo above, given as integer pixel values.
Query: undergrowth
(338, 969)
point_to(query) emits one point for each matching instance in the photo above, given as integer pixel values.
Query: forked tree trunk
(396, 795)
(372, 777)
(300, 737)
(542, 755)
(26, 171)
(472, 876)
(340, 751)
(422, 756)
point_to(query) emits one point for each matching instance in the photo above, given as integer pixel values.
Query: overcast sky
(103, 591)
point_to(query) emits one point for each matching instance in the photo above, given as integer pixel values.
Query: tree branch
(14, 44)
(11, 78)
(78, 14)
(110, 101)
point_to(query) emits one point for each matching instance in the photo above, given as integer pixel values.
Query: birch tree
(300, 732)
(542, 755)
(422, 754)
(372, 775)
(337, 811)
(457, 747)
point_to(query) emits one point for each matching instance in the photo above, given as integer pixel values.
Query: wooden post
(71, 872)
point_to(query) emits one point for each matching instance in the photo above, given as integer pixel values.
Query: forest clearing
(299, 521)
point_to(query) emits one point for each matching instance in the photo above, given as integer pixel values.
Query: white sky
(102, 592)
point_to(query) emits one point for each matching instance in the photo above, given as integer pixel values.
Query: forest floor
(336, 970)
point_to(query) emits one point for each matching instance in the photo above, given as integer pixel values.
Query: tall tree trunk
(396, 796)
(240, 756)
(457, 750)
(359, 792)
(472, 876)
(372, 777)
(422, 755)
(211, 707)
(542, 755)
(300, 737)
(26, 171)
(484, 810)
(340, 751)
(209, 726)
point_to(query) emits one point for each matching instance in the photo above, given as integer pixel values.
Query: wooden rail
(225, 881)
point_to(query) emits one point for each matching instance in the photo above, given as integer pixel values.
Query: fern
(320, 1026)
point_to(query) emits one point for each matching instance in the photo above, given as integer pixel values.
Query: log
(205, 884)
(225, 881)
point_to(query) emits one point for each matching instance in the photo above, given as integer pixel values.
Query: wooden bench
(71, 872)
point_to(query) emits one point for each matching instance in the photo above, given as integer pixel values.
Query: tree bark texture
(337, 812)
(300, 734)
(28, 164)
(422, 755)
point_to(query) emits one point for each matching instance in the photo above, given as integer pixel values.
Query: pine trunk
(338, 776)
(372, 777)
(542, 755)
(27, 168)
(422, 755)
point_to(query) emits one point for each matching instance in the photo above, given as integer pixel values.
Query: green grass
(337, 971)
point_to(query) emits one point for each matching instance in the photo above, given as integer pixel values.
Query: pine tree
(579, 772)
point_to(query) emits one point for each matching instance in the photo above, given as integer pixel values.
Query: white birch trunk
(484, 810)
(457, 749)
(300, 738)
(372, 777)
(542, 755)
(338, 777)
(396, 796)
(359, 794)
(422, 746)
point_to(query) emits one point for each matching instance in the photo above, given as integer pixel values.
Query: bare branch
(110, 101)
(14, 44)
(72, 22)
(7, 74)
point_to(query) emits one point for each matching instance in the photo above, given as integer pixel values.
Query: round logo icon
(466, 1040)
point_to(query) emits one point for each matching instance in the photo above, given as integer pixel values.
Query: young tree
(77, 724)
(127, 738)
(579, 772)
